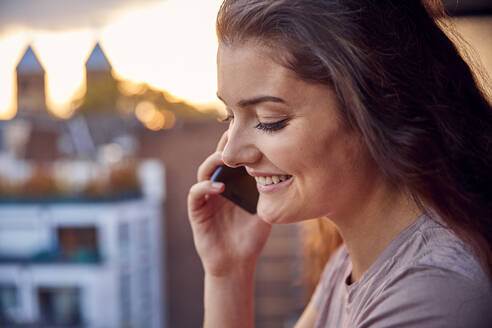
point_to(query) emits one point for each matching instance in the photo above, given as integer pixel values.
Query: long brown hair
(402, 84)
(321, 239)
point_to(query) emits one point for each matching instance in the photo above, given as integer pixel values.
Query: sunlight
(11, 50)
(153, 118)
(63, 56)
(171, 46)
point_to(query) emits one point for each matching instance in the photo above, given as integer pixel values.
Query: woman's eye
(226, 119)
(271, 127)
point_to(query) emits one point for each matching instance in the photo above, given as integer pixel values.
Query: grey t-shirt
(426, 277)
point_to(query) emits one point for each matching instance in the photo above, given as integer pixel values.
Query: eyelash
(267, 127)
(226, 119)
(272, 127)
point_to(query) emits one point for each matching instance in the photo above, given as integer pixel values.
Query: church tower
(30, 84)
(102, 92)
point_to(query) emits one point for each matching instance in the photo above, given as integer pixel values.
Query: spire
(97, 61)
(29, 63)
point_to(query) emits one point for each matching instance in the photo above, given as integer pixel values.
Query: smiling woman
(362, 113)
(277, 119)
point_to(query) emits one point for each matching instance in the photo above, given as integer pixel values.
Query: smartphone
(240, 187)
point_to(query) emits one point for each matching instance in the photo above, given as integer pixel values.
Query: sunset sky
(171, 45)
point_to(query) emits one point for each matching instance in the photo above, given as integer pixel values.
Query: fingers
(208, 166)
(222, 142)
(197, 197)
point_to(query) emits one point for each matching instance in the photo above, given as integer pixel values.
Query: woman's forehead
(252, 67)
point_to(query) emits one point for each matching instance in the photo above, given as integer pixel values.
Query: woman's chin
(272, 215)
(275, 214)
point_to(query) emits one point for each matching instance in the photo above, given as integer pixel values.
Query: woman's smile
(287, 134)
(272, 187)
(269, 183)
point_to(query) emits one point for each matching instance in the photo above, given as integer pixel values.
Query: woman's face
(287, 134)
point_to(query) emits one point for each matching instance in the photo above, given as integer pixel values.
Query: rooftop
(97, 60)
(29, 63)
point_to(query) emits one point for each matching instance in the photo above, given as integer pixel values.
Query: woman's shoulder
(436, 248)
(434, 280)
(436, 256)
(433, 296)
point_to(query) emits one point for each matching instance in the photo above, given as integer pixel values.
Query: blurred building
(102, 93)
(30, 84)
(66, 259)
(79, 263)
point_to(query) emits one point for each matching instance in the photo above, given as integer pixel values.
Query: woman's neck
(370, 229)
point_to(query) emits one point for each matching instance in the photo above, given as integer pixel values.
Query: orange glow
(153, 118)
(157, 122)
(129, 88)
(10, 54)
(63, 56)
(145, 111)
(169, 46)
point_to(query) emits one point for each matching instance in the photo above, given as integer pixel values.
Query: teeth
(274, 179)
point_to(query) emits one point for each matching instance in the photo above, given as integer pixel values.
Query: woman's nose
(240, 149)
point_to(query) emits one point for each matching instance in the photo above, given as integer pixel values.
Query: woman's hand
(227, 238)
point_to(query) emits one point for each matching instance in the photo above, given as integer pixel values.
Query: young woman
(364, 113)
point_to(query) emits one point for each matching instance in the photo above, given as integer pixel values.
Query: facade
(84, 264)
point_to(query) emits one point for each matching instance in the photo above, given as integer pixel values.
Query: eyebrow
(257, 100)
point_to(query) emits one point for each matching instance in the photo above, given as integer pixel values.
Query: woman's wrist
(237, 272)
(229, 299)
(230, 269)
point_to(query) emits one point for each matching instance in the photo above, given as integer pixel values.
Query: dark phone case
(240, 187)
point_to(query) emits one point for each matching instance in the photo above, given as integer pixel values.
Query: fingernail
(217, 185)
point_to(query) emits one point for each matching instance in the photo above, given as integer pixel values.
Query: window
(9, 304)
(59, 306)
(78, 244)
